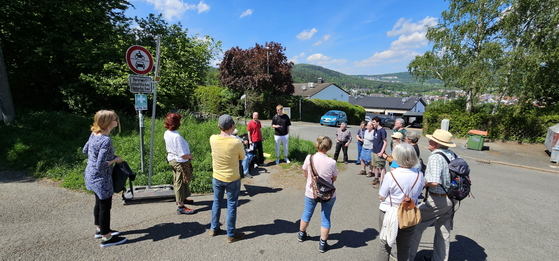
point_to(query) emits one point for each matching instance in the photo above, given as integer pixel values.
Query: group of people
(229, 160)
(405, 178)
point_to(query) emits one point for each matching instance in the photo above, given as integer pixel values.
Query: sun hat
(225, 122)
(397, 135)
(442, 137)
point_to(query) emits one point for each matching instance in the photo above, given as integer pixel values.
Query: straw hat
(442, 137)
(397, 135)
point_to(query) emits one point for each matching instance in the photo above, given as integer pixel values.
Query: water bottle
(453, 185)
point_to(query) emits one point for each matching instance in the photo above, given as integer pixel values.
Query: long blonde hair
(103, 120)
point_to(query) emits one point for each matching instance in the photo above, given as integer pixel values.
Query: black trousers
(102, 214)
(260, 153)
(337, 153)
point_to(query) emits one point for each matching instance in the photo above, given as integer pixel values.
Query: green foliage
(49, 145)
(506, 125)
(49, 44)
(209, 99)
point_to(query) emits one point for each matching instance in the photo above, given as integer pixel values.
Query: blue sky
(352, 36)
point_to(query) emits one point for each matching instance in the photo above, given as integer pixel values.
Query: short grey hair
(401, 121)
(343, 123)
(413, 136)
(404, 154)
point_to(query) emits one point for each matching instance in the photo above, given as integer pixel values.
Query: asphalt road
(511, 218)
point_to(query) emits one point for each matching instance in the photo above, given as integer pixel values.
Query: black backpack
(459, 170)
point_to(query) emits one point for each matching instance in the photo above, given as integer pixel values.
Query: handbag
(121, 172)
(408, 213)
(323, 191)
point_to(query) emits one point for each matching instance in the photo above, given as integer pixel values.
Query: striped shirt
(437, 170)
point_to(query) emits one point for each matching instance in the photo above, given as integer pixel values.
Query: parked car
(368, 118)
(387, 122)
(416, 124)
(333, 118)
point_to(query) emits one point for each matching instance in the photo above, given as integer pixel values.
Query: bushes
(509, 124)
(313, 109)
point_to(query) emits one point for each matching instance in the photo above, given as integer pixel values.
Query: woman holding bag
(325, 168)
(98, 174)
(399, 182)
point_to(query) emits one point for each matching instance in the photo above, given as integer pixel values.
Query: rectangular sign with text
(139, 84)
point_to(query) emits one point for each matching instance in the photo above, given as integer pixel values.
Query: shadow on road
(278, 227)
(167, 230)
(353, 239)
(464, 248)
(252, 190)
(7, 176)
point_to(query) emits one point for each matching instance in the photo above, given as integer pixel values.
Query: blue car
(333, 118)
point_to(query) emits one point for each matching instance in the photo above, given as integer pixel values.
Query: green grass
(49, 145)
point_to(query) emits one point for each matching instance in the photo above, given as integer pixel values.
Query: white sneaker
(277, 161)
(287, 160)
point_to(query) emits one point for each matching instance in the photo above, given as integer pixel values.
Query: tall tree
(465, 47)
(263, 73)
(48, 44)
(530, 31)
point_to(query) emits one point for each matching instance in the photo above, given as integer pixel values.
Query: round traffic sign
(139, 59)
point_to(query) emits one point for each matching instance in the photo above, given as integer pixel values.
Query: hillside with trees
(404, 83)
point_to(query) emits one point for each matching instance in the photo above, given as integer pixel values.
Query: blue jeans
(246, 162)
(233, 190)
(310, 204)
(359, 148)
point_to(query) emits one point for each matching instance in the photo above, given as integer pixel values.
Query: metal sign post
(143, 84)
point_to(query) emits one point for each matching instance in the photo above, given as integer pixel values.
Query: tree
(49, 44)
(531, 36)
(262, 72)
(466, 47)
(184, 64)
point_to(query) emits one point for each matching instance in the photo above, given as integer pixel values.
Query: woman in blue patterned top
(98, 174)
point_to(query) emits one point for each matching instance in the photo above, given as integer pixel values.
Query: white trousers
(285, 140)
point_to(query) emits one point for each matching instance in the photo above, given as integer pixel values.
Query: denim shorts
(310, 204)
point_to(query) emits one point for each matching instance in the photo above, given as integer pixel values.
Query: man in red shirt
(255, 137)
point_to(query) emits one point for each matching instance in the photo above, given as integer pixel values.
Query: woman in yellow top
(226, 153)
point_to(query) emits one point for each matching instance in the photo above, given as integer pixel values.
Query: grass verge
(49, 145)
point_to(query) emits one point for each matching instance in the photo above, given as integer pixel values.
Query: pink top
(324, 166)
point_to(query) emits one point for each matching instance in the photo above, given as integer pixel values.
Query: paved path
(510, 219)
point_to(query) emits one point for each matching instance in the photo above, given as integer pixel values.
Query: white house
(320, 90)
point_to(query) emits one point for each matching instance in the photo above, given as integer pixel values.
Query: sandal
(370, 174)
(362, 172)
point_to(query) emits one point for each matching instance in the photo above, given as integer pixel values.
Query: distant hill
(399, 82)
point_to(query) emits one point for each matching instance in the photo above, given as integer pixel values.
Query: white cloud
(245, 13)
(295, 58)
(321, 59)
(175, 8)
(317, 43)
(404, 26)
(414, 40)
(388, 56)
(305, 35)
(410, 36)
(324, 38)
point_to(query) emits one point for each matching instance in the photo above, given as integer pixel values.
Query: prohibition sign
(139, 59)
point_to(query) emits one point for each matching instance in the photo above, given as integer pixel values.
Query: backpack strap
(401, 187)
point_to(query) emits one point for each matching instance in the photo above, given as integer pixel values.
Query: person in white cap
(438, 207)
